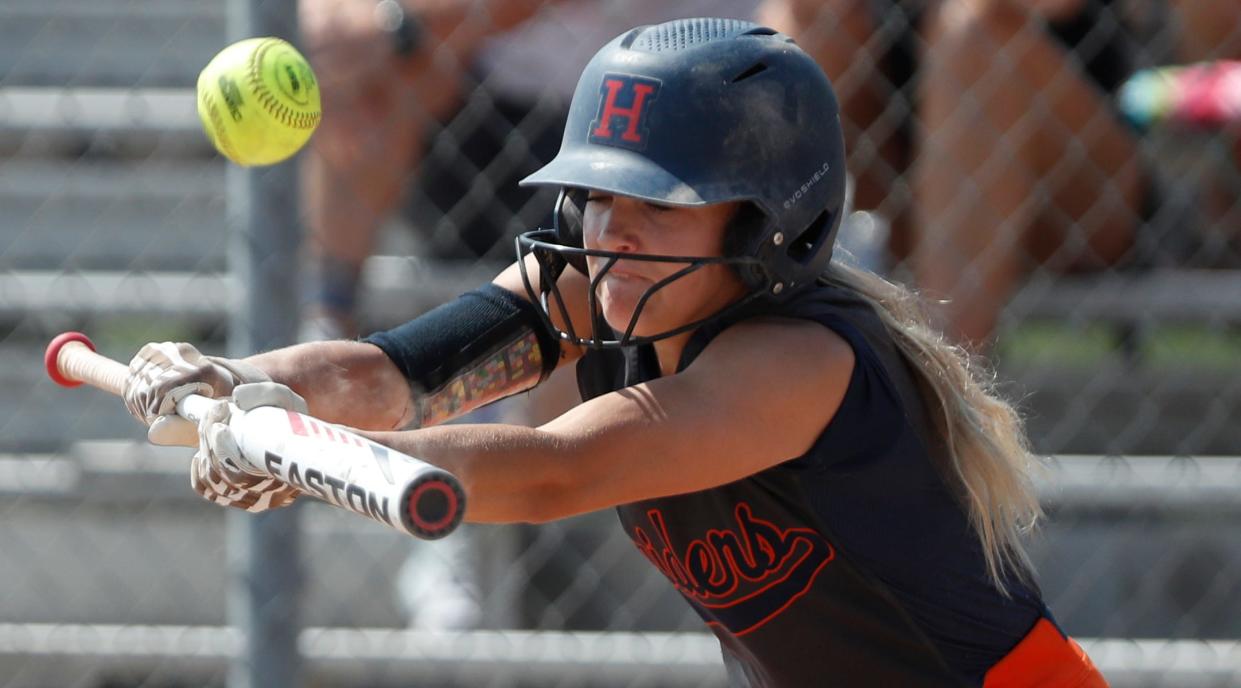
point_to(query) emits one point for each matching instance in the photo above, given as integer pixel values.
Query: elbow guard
(481, 347)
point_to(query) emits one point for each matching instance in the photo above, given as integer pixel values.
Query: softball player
(813, 468)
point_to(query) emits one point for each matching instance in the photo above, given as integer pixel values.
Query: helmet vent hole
(685, 33)
(805, 245)
(631, 37)
(757, 68)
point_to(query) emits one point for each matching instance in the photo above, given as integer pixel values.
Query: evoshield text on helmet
(696, 112)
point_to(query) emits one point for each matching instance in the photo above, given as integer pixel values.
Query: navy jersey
(853, 564)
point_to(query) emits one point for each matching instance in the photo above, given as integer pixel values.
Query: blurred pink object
(1206, 94)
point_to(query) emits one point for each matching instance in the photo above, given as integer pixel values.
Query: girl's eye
(598, 198)
(656, 207)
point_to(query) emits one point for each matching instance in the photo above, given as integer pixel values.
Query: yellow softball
(258, 101)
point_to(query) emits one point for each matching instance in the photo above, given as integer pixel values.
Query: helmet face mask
(691, 113)
(558, 248)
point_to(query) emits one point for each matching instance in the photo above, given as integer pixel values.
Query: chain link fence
(994, 163)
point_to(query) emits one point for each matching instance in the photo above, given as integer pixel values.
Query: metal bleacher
(103, 170)
(1096, 554)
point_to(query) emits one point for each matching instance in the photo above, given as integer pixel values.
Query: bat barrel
(433, 505)
(343, 468)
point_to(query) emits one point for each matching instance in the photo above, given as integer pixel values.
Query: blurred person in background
(988, 134)
(392, 73)
(1026, 160)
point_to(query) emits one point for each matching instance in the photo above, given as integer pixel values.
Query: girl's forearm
(350, 383)
(511, 474)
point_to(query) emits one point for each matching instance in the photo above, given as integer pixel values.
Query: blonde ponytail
(985, 441)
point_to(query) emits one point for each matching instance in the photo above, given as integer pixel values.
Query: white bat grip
(77, 362)
(193, 407)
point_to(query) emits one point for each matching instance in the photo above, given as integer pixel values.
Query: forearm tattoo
(513, 367)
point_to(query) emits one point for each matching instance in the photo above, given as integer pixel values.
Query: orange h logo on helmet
(637, 93)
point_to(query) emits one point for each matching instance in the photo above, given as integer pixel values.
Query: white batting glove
(163, 373)
(219, 473)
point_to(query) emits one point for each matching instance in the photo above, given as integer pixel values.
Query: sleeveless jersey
(851, 565)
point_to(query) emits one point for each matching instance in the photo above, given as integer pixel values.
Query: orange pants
(1045, 658)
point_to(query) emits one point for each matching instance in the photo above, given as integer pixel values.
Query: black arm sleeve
(436, 347)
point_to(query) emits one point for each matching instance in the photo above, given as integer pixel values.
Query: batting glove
(163, 373)
(219, 473)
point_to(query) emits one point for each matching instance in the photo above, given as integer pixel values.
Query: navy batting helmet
(695, 112)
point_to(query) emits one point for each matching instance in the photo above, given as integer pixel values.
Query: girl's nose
(618, 227)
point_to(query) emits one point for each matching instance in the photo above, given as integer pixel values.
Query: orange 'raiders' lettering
(738, 579)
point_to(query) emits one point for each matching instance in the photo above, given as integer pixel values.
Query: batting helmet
(695, 112)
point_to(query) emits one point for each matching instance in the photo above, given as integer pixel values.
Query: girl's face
(628, 225)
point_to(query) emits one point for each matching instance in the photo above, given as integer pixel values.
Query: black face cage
(552, 258)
